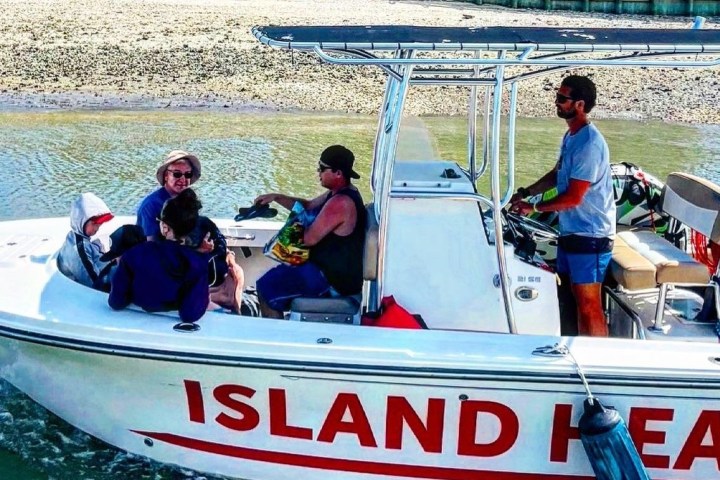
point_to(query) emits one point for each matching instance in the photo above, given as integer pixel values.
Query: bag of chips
(286, 246)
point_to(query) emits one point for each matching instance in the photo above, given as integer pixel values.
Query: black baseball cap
(340, 158)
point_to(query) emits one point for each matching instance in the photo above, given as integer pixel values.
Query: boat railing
(492, 57)
(638, 328)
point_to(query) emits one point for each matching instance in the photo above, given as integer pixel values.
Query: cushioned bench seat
(642, 259)
(629, 268)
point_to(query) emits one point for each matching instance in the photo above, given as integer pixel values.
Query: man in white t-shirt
(585, 203)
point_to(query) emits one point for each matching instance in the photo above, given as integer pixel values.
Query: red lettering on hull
(347, 416)
(358, 424)
(196, 406)
(278, 418)
(429, 434)
(562, 433)
(708, 421)
(509, 429)
(637, 426)
(225, 395)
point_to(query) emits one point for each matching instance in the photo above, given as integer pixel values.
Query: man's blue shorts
(281, 284)
(583, 267)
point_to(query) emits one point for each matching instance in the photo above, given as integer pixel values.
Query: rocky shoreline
(195, 54)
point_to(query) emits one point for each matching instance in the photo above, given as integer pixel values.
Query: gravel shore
(200, 54)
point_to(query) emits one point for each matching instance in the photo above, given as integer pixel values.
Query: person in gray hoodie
(79, 257)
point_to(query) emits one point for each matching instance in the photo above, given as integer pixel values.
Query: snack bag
(286, 246)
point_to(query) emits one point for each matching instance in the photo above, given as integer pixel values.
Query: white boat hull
(256, 419)
(261, 399)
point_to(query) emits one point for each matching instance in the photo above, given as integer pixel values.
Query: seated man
(178, 171)
(80, 256)
(335, 238)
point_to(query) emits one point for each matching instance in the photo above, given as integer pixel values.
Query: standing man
(585, 203)
(336, 238)
(179, 170)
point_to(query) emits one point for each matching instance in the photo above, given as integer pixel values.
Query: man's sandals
(256, 211)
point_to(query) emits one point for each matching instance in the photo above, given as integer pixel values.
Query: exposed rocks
(200, 53)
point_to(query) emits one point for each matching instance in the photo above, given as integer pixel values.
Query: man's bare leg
(568, 307)
(591, 318)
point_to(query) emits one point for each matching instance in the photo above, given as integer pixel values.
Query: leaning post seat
(344, 309)
(642, 260)
(694, 201)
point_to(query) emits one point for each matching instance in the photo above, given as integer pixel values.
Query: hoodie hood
(85, 207)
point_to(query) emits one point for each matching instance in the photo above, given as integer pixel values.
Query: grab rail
(639, 328)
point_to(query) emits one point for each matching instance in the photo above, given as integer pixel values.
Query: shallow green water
(49, 158)
(115, 154)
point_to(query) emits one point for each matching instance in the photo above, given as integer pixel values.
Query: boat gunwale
(436, 373)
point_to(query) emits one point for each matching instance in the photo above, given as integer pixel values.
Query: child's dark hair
(181, 212)
(582, 88)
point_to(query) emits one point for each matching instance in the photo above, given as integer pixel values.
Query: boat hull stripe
(692, 384)
(346, 465)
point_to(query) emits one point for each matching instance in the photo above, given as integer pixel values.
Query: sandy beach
(200, 54)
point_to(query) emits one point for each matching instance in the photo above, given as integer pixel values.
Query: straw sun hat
(173, 157)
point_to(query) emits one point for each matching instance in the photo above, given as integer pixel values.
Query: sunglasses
(322, 168)
(560, 98)
(178, 174)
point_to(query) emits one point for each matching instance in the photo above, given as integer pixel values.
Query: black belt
(581, 244)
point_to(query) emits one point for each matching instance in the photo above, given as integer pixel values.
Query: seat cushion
(629, 268)
(343, 305)
(672, 264)
(370, 251)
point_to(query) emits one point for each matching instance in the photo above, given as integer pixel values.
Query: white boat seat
(343, 305)
(641, 259)
(337, 309)
(328, 310)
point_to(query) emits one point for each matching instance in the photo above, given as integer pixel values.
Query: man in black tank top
(335, 238)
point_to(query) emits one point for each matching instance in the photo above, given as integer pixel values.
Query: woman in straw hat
(178, 171)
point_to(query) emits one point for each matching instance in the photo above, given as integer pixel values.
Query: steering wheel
(537, 230)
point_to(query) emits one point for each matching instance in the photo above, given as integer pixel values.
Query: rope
(699, 250)
(640, 175)
(563, 350)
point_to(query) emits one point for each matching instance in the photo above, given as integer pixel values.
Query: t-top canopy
(541, 39)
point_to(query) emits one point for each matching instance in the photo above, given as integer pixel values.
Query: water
(115, 155)
(49, 158)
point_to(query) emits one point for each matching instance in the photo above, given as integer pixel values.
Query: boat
(490, 389)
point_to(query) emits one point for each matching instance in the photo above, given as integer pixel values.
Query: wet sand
(199, 54)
